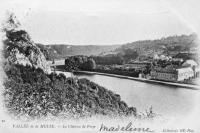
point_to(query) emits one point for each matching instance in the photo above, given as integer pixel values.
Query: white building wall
(185, 73)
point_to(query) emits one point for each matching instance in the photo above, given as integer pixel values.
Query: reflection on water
(166, 100)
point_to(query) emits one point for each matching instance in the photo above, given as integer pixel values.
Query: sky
(104, 22)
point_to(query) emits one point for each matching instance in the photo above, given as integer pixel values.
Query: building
(171, 73)
(184, 73)
(190, 63)
(138, 65)
(193, 65)
(167, 74)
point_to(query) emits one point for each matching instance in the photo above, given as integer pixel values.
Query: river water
(167, 101)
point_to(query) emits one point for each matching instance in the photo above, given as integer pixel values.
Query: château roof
(189, 63)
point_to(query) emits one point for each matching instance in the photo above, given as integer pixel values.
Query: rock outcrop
(20, 49)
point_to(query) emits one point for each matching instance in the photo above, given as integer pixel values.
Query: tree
(130, 54)
(89, 65)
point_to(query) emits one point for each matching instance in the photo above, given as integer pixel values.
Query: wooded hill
(171, 46)
(59, 51)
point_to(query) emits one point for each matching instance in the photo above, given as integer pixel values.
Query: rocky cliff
(20, 49)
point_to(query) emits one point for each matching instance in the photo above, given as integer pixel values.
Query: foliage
(108, 60)
(79, 62)
(130, 54)
(16, 36)
(88, 65)
(30, 92)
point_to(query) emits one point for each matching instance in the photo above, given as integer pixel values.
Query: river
(167, 101)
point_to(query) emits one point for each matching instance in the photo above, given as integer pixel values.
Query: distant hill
(142, 49)
(49, 52)
(170, 46)
(62, 50)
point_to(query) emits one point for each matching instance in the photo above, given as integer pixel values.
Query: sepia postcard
(124, 66)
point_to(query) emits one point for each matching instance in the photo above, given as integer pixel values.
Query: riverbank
(196, 87)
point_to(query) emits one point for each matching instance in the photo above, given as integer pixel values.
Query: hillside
(171, 46)
(61, 50)
(142, 50)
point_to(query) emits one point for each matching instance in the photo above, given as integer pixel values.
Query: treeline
(108, 60)
(79, 63)
(117, 59)
(32, 93)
